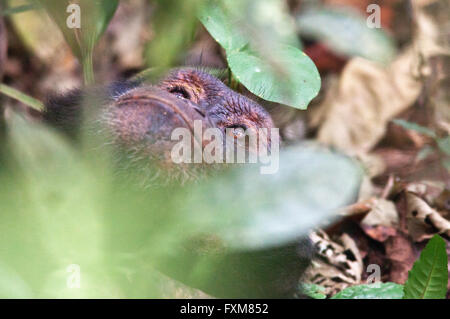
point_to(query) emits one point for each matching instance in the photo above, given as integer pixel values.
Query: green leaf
(12, 286)
(346, 32)
(61, 208)
(387, 290)
(248, 210)
(236, 23)
(21, 97)
(269, 62)
(415, 127)
(222, 28)
(95, 17)
(429, 276)
(295, 83)
(313, 291)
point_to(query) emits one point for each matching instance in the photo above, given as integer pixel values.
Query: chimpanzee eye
(180, 92)
(236, 130)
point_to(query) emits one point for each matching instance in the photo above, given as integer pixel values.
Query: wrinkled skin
(140, 118)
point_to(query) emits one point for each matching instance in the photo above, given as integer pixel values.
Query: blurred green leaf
(12, 286)
(429, 276)
(172, 31)
(248, 210)
(95, 17)
(387, 290)
(345, 31)
(63, 206)
(19, 9)
(415, 127)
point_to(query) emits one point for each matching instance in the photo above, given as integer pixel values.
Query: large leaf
(250, 211)
(346, 32)
(222, 28)
(387, 290)
(429, 276)
(297, 87)
(263, 50)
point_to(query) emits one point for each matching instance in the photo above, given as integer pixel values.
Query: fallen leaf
(402, 254)
(357, 108)
(423, 221)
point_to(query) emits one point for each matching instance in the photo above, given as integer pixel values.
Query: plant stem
(88, 68)
(25, 99)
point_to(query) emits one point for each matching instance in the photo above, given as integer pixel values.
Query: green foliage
(296, 88)
(313, 291)
(61, 207)
(429, 276)
(346, 32)
(173, 31)
(25, 99)
(254, 211)
(273, 68)
(388, 290)
(95, 14)
(12, 285)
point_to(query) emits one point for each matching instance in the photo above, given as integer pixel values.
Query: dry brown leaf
(423, 221)
(402, 254)
(379, 233)
(358, 107)
(383, 213)
(380, 222)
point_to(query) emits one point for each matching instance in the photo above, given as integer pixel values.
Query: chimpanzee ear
(64, 111)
